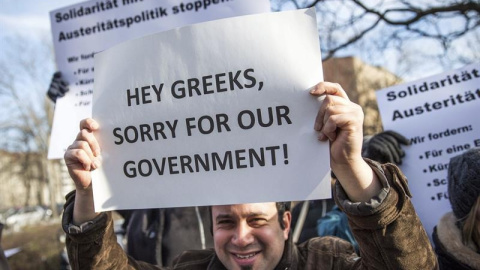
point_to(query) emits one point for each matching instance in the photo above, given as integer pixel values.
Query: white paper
(79, 31)
(442, 124)
(274, 58)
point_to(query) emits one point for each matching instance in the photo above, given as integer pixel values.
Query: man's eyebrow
(257, 214)
(221, 216)
(251, 214)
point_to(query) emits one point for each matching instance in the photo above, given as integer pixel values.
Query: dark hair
(282, 207)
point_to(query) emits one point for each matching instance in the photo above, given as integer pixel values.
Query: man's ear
(287, 222)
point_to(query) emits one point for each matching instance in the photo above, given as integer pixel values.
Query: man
(256, 236)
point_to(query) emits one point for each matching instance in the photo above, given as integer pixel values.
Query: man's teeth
(246, 256)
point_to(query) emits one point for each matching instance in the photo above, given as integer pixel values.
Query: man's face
(249, 236)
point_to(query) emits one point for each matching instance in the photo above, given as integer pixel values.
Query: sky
(28, 16)
(30, 20)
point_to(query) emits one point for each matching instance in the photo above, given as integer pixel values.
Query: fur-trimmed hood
(450, 237)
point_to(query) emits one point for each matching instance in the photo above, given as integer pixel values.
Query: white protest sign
(437, 115)
(213, 113)
(81, 30)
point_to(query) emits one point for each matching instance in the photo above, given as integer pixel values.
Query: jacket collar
(450, 236)
(289, 257)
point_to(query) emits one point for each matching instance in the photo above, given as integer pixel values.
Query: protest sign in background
(213, 113)
(438, 115)
(79, 31)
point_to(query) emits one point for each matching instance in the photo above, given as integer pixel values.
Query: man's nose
(243, 235)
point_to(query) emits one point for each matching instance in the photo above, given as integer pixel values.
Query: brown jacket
(387, 229)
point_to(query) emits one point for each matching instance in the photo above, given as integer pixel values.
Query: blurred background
(366, 45)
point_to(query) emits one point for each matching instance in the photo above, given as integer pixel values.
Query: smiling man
(256, 236)
(249, 236)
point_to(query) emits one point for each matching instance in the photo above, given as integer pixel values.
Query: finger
(338, 106)
(57, 80)
(336, 123)
(380, 155)
(330, 128)
(387, 149)
(87, 127)
(64, 88)
(89, 140)
(52, 96)
(60, 82)
(57, 90)
(53, 88)
(399, 137)
(82, 145)
(386, 140)
(90, 124)
(328, 103)
(83, 148)
(328, 88)
(78, 158)
(395, 147)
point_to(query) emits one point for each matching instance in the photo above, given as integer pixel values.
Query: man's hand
(340, 121)
(58, 87)
(385, 147)
(82, 157)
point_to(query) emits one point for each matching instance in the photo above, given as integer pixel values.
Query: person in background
(159, 235)
(457, 235)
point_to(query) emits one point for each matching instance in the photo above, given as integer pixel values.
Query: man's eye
(224, 222)
(258, 221)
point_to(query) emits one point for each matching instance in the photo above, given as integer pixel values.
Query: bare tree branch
(370, 29)
(25, 127)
